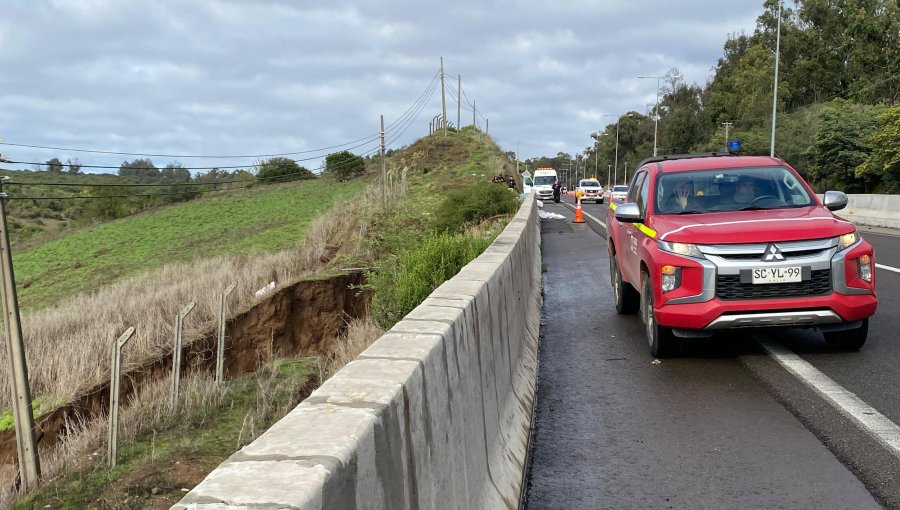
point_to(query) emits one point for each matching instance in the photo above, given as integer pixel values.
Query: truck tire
(848, 339)
(663, 343)
(627, 299)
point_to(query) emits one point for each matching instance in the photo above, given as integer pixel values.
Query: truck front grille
(730, 288)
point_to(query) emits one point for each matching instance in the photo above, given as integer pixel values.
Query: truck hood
(773, 225)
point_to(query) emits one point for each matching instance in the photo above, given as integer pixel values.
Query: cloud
(225, 77)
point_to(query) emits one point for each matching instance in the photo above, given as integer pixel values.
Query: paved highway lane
(613, 430)
(872, 374)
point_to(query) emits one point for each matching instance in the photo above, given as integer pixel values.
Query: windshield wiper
(686, 212)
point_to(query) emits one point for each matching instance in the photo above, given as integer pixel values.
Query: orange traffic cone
(578, 218)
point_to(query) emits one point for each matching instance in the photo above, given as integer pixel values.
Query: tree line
(838, 90)
(35, 208)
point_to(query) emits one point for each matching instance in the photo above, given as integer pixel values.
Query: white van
(544, 177)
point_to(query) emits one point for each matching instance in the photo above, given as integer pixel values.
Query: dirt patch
(300, 320)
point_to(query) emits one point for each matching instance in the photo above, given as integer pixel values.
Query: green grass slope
(263, 218)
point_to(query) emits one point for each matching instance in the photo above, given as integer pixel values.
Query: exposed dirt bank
(300, 320)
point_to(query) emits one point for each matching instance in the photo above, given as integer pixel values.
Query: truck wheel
(848, 339)
(663, 343)
(627, 299)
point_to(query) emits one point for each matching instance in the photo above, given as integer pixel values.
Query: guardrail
(435, 414)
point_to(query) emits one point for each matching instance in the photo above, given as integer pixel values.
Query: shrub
(401, 284)
(344, 165)
(473, 204)
(281, 169)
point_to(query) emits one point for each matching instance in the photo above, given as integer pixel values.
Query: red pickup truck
(711, 242)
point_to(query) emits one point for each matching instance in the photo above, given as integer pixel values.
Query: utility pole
(727, 125)
(443, 99)
(473, 116)
(459, 103)
(608, 173)
(517, 157)
(29, 462)
(383, 165)
(487, 126)
(775, 92)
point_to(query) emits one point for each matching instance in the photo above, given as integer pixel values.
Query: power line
(400, 125)
(186, 156)
(413, 118)
(267, 180)
(364, 141)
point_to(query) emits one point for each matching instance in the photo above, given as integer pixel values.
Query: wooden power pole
(29, 462)
(443, 98)
(458, 101)
(383, 164)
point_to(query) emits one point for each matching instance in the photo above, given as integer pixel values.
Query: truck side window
(644, 194)
(635, 187)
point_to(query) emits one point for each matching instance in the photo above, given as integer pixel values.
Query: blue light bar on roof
(734, 146)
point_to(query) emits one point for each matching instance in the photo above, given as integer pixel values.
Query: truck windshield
(731, 189)
(590, 184)
(544, 180)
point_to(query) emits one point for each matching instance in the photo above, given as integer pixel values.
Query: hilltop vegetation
(838, 90)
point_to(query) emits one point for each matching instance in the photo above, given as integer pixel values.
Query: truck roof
(707, 161)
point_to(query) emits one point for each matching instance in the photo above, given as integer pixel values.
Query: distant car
(564, 190)
(590, 190)
(617, 194)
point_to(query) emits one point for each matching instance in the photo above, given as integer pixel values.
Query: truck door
(632, 238)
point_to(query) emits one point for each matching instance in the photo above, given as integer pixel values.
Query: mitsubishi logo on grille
(772, 254)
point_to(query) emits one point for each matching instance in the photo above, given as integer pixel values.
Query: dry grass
(360, 334)
(68, 346)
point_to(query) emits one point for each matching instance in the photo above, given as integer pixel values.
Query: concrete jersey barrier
(434, 414)
(872, 210)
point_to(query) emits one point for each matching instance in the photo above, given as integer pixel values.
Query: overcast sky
(217, 78)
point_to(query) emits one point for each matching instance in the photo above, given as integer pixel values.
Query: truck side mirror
(835, 200)
(629, 213)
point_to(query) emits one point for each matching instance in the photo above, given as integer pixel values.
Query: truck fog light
(670, 277)
(865, 268)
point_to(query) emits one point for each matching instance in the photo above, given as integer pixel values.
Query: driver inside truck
(745, 190)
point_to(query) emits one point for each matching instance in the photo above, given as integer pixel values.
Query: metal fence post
(112, 439)
(220, 348)
(176, 354)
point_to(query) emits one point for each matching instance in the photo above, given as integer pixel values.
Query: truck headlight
(686, 249)
(847, 240)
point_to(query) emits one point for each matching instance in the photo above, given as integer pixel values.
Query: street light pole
(656, 122)
(775, 92)
(618, 118)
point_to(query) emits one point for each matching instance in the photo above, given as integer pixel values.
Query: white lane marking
(874, 423)
(887, 268)
(602, 223)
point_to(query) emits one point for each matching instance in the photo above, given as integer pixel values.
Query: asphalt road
(724, 426)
